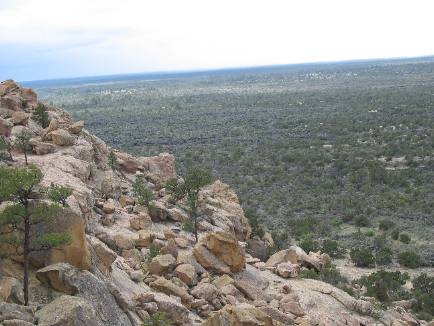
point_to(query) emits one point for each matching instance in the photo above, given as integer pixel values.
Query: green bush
(384, 256)
(362, 257)
(328, 274)
(188, 226)
(423, 291)
(40, 115)
(404, 238)
(362, 221)
(59, 194)
(257, 229)
(154, 250)
(409, 259)
(386, 224)
(395, 234)
(141, 191)
(157, 319)
(333, 248)
(385, 286)
(309, 244)
(370, 233)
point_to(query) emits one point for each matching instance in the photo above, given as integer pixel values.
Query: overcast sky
(44, 39)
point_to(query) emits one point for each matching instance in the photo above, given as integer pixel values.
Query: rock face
(240, 315)
(76, 253)
(68, 311)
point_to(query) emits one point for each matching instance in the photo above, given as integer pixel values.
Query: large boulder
(168, 287)
(76, 127)
(186, 273)
(128, 162)
(240, 315)
(296, 255)
(42, 148)
(76, 252)
(57, 277)
(11, 290)
(87, 286)
(220, 203)
(226, 248)
(258, 248)
(5, 127)
(68, 311)
(62, 137)
(20, 118)
(162, 264)
(11, 311)
(160, 168)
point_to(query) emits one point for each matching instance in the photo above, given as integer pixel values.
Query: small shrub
(188, 226)
(404, 238)
(112, 160)
(254, 223)
(362, 257)
(370, 233)
(143, 194)
(362, 221)
(423, 290)
(384, 256)
(386, 225)
(332, 248)
(409, 259)
(385, 286)
(309, 244)
(328, 274)
(157, 319)
(395, 234)
(59, 194)
(154, 250)
(40, 115)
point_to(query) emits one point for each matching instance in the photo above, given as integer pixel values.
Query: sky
(46, 39)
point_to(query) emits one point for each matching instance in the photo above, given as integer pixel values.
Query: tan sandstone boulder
(76, 127)
(62, 137)
(162, 264)
(68, 311)
(226, 247)
(240, 315)
(5, 127)
(186, 273)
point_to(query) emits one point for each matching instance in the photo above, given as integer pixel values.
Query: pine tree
(112, 160)
(23, 143)
(19, 218)
(142, 192)
(194, 181)
(5, 147)
(40, 115)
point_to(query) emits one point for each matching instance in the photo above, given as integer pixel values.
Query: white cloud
(107, 36)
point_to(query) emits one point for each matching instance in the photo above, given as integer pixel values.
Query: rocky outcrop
(68, 311)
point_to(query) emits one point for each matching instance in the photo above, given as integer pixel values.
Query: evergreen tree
(5, 149)
(23, 143)
(40, 115)
(112, 160)
(19, 218)
(59, 194)
(194, 181)
(142, 192)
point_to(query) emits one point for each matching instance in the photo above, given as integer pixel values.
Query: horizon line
(229, 68)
